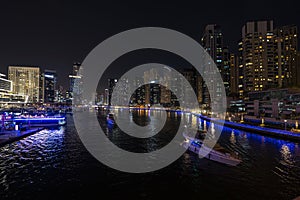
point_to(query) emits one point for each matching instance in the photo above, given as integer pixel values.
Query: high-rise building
(138, 96)
(225, 70)
(76, 83)
(258, 56)
(26, 81)
(49, 81)
(241, 80)
(59, 94)
(6, 92)
(269, 56)
(152, 90)
(286, 42)
(165, 95)
(298, 70)
(234, 76)
(111, 84)
(212, 42)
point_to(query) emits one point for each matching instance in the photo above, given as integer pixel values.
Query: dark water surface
(53, 164)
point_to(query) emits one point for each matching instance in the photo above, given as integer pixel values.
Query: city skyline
(149, 99)
(55, 35)
(267, 59)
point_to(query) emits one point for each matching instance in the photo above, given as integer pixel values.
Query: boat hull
(211, 154)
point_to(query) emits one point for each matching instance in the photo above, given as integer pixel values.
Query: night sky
(54, 34)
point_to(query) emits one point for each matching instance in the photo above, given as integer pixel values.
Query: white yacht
(218, 153)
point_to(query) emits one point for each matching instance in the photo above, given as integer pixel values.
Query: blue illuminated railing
(41, 120)
(255, 129)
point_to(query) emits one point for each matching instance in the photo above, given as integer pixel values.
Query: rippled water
(53, 164)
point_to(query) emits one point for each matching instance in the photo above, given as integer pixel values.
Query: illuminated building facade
(111, 84)
(49, 78)
(269, 56)
(258, 56)
(234, 76)
(26, 81)
(212, 42)
(6, 93)
(76, 83)
(286, 55)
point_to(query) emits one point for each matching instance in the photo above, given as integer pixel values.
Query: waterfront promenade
(283, 134)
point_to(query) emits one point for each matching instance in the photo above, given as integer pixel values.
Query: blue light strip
(256, 129)
(39, 119)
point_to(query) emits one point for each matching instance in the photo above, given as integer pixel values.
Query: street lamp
(285, 124)
(296, 124)
(262, 121)
(242, 118)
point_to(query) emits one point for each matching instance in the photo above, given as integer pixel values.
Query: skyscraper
(241, 80)
(26, 81)
(111, 84)
(258, 56)
(152, 90)
(234, 76)
(298, 70)
(286, 42)
(225, 70)
(49, 86)
(212, 41)
(6, 94)
(76, 83)
(269, 56)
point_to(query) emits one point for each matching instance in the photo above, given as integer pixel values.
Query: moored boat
(110, 119)
(217, 153)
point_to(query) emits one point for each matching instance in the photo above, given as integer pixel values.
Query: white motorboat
(217, 153)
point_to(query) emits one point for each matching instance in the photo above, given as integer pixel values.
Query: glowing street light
(285, 124)
(262, 122)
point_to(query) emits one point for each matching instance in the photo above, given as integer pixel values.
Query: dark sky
(54, 34)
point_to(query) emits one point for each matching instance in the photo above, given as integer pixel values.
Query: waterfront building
(76, 82)
(258, 56)
(274, 103)
(225, 70)
(212, 42)
(234, 76)
(111, 84)
(139, 95)
(269, 56)
(286, 43)
(26, 81)
(298, 70)
(241, 79)
(59, 95)
(6, 93)
(49, 82)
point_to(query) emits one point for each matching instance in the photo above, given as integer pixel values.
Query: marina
(53, 163)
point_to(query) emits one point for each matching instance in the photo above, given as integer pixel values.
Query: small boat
(110, 119)
(217, 153)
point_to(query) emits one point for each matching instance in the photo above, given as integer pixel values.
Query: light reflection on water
(53, 159)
